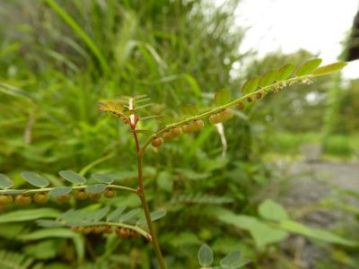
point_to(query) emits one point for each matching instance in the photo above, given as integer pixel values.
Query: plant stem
(146, 209)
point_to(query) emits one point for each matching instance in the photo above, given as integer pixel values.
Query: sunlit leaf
(205, 255)
(272, 211)
(189, 110)
(267, 78)
(35, 179)
(330, 68)
(308, 67)
(111, 106)
(72, 177)
(250, 85)
(5, 182)
(285, 71)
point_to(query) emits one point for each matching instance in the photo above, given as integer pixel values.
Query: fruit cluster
(41, 198)
(121, 232)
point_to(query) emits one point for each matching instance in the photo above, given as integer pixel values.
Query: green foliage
(5, 182)
(64, 57)
(205, 256)
(11, 260)
(276, 225)
(272, 211)
(72, 177)
(308, 67)
(232, 260)
(328, 69)
(35, 179)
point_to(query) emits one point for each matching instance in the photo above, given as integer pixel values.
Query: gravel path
(311, 183)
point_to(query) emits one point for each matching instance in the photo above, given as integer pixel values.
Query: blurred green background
(58, 59)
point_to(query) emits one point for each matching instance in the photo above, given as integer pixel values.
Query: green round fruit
(198, 125)
(240, 106)
(94, 196)
(81, 195)
(6, 199)
(168, 135)
(187, 128)
(22, 200)
(156, 142)
(226, 114)
(109, 193)
(214, 118)
(63, 198)
(41, 198)
(177, 131)
(123, 233)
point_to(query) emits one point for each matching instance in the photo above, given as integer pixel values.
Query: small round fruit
(240, 106)
(63, 198)
(6, 199)
(250, 99)
(156, 142)
(177, 131)
(187, 128)
(226, 114)
(107, 229)
(168, 135)
(214, 118)
(41, 198)
(22, 200)
(198, 124)
(259, 95)
(109, 193)
(123, 233)
(134, 234)
(81, 195)
(94, 196)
